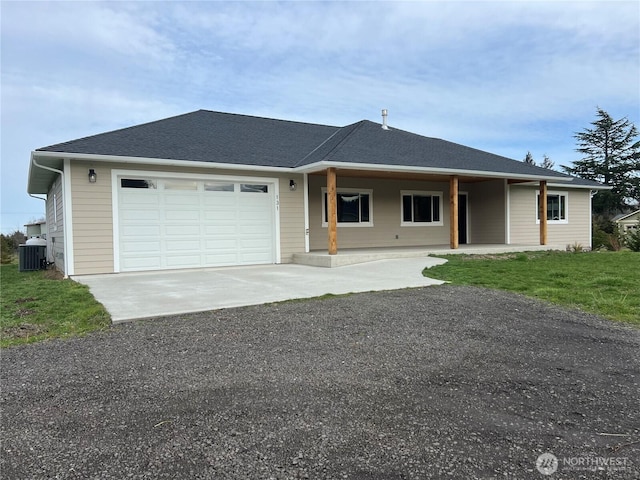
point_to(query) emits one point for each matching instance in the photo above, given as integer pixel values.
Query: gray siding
(55, 225)
(486, 211)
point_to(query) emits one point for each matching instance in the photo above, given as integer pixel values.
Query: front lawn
(39, 305)
(605, 283)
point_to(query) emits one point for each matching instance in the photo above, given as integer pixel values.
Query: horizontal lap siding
(93, 218)
(291, 217)
(55, 229)
(526, 230)
(386, 215)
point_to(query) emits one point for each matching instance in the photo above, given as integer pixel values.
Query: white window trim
(366, 191)
(423, 193)
(564, 194)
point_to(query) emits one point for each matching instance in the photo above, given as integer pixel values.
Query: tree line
(610, 152)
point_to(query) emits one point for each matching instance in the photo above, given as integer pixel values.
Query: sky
(507, 77)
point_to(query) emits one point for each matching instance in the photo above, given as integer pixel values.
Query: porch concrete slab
(351, 256)
(130, 296)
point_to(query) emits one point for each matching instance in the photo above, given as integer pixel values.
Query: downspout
(55, 170)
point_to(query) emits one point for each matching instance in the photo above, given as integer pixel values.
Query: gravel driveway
(436, 382)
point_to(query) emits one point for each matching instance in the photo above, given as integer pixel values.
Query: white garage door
(180, 223)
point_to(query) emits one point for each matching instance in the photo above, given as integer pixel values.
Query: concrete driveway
(130, 296)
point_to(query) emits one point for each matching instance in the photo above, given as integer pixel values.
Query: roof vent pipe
(384, 119)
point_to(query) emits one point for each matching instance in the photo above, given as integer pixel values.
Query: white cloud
(507, 76)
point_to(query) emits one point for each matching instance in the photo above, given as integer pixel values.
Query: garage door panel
(182, 245)
(219, 230)
(222, 258)
(221, 243)
(185, 216)
(151, 231)
(249, 258)
(142, 246)
(183, 261)
(138, 215)
(141, 262)
(182, 230)
(171, 198)
(219, 216)
(140, 198)
(254, 243)
(178, 228)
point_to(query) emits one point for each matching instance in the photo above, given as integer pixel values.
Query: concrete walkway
(129, 296)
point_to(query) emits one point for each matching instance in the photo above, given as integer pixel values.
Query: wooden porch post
(543, 212)
(453, 211)
(332, 211)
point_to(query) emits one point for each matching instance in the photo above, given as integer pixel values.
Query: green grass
(40, 305)
(605, 283)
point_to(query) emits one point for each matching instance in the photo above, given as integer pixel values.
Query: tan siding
(55, 229)
(93, 216)
(386, 214)
(486, 211)
(92, 219)
(291, 217)
(526, 230)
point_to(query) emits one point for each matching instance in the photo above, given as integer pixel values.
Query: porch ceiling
(426, 177)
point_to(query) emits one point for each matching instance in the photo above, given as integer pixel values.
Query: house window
(250, 188)
(353, 207)
(180, 185)
(218, 187)
(136, 183)
(556, 207)
(421, 208)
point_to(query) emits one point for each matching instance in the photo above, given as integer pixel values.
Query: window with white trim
(420, 208)
(354, 207)
(557, 207)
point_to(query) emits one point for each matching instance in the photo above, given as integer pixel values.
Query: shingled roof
(205, 136)
(216, 137)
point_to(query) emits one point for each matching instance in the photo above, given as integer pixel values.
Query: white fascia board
(160, 161)
(565, 185)
(318, 166)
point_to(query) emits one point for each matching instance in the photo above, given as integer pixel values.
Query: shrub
(632, 239)
(6, 250)
(575, 248)
(599, 238)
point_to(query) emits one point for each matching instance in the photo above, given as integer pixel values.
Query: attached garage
(166, 221)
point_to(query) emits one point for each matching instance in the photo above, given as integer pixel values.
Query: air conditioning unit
(32, 257)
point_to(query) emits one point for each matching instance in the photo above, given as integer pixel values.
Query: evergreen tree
(546, 162)
(610, 155)
(529, 159)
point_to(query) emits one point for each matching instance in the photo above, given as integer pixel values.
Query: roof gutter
(66, 225)
(318, 166)
(553, 184)
(157, 161)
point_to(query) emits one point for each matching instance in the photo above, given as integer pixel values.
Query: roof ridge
(260, 117)
(354, 127)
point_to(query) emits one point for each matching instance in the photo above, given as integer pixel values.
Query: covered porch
(466, 212)
(351, 256)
